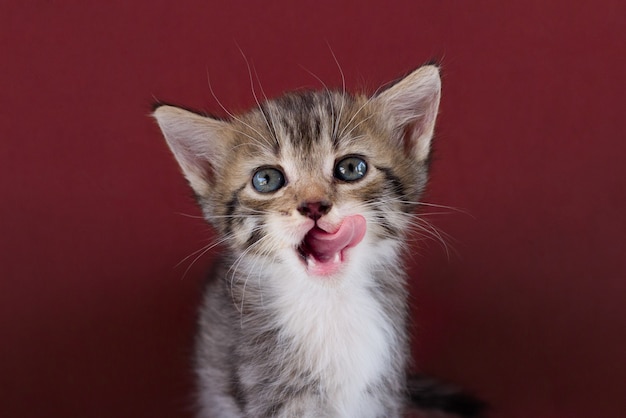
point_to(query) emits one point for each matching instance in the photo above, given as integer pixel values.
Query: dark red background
(96, 317)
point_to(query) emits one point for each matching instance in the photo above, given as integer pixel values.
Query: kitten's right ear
(196, 141)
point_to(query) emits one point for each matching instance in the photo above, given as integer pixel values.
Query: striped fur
(273, 339)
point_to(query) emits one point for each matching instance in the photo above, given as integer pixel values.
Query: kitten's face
(313, 182)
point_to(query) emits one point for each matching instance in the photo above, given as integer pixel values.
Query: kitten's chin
(325, 253)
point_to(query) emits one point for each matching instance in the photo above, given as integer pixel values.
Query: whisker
(262, 257)
(395, 199)
(431, 230)
(359, 111)
(343, 90)
(234, 268)
(187, 215)
(261, 147)
(256, 99)
(249, 137)
(452, 208)
(352, 139)
(357, 125)
(202, 252)
(242, 216)
(258, 80)
(413, 221)
(231, 115)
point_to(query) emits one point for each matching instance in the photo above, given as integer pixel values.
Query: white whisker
(256, 99)
(202, 251)
(187, 215)
(232, 116)
(357, 125)
(343, 91)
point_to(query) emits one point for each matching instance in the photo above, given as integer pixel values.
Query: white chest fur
(341, 334)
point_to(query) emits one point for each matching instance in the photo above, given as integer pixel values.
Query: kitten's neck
(347, 333)
(364, 307)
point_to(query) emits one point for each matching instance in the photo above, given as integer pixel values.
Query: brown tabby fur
(273, 339)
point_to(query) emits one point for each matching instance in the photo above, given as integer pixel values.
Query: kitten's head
(315, 182)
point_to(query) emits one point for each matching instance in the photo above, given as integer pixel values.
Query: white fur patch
(338, 328)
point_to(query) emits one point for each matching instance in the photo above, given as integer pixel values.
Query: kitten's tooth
(337, 258)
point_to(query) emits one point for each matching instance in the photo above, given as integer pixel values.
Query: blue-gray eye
(268, 180)
(350, 169)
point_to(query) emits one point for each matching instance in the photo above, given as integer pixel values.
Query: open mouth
(324, 252)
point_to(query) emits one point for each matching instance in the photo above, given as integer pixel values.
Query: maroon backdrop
(96, 313)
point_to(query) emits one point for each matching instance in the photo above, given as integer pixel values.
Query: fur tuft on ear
(410, 108)
(195, 141)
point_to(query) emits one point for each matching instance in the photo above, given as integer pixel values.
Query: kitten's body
(312, 194)
(303, 351)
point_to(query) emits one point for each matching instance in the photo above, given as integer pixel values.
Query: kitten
(312, 194)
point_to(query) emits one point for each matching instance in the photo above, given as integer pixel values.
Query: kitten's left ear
(410, 108)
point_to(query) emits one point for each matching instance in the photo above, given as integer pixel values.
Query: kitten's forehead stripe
(307, 118)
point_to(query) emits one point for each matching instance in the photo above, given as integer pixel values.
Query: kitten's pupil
(267, 180)
(351, 169)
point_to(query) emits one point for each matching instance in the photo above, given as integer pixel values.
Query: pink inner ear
(409, 137)
(414, 132)
(324, 245)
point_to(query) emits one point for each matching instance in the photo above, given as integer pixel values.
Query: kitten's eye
(267, 180)
(351, 169)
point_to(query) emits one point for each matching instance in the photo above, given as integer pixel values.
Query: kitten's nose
(315, 210)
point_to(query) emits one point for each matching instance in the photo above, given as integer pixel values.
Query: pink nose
(315, 210)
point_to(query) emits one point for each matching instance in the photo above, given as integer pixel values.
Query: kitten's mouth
(324, 252)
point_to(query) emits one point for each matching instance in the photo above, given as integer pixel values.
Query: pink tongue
(324, 245)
